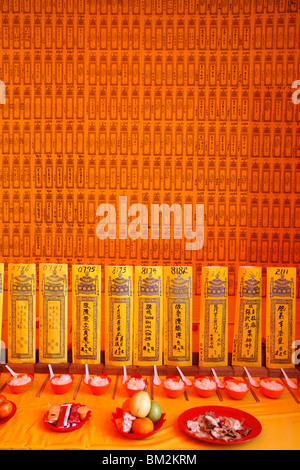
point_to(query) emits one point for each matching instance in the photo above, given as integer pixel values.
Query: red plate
(70, 428)
(248, 421)
(11, 414)
(132, 435)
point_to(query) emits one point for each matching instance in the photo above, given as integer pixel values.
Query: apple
(5, 409)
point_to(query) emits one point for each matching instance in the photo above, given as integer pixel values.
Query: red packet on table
(64, 415)
(74, 415)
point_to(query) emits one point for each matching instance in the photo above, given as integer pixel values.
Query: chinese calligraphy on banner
(22, 313)
(280, 317)
(213, 348)
(178, 303)
(86, 314)
(53, 313)
(148, 315)
(248, 322)
(161, 298)
(118, 315)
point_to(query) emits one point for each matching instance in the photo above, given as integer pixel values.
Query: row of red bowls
(172, 393)
(60, 389)
(235, 394)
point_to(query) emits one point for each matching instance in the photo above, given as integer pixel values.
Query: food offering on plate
(7, 409)
(19, 383)
(222, 428)
(99, 384)
(135, 383)
(66, 417)
(205, 386)
(271, 388)
(236, 389)
(61, 383)
(174, 386)
(139, 417)
(220, 425)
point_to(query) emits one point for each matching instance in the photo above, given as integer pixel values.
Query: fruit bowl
(271, 393)
(22, 386)
(204, 392)
(99, 389)
(174, 393)
(236, 394)
(132, 391)
(63, 387)
(130, 435)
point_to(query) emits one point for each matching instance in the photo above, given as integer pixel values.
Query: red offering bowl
(63, 388)
(267, 391)
(102, 389)
(202, 392)
(130, 435)
(174, 393)
(130, 391)
(22, 387)
(236, 395)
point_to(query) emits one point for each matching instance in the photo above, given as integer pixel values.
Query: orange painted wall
(165, 102)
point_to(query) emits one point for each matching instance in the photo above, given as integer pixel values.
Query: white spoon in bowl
(125, 375)
(156, 379)
(11, 371)
(50, 371)
(219, 383)
(290, 383)
(187, 381)
(251, 380)
(87, 374)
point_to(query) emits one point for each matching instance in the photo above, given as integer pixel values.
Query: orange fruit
(5, 409)
(142, 426)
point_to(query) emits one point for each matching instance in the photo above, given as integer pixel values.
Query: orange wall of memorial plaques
(184, 101)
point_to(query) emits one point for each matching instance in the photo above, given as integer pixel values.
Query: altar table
(280, 420)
